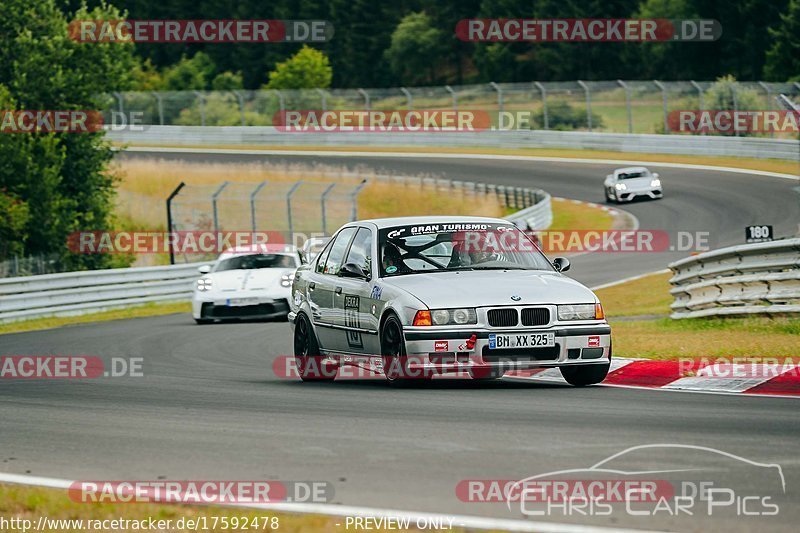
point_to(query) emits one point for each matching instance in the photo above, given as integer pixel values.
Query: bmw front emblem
(516, 298)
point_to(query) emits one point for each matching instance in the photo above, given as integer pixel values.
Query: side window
(335, 257)
(322, 257)
(361, 250)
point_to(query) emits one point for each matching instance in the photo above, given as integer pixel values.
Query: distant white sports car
(251, 282)
(625, 184)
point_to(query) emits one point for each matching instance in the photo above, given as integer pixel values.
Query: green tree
(189, 74)
(415, 47)
(63, 178)
(783, 58)
(307, 69)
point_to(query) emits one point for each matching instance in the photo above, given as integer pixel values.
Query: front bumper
(260, 308)
(628, 196)
(445, 351)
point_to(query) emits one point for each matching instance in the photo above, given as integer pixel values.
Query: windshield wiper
(500, 268)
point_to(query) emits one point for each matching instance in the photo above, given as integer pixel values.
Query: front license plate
(239, 302)
(522, 340)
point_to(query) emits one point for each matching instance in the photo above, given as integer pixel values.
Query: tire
(608, 198)
(583, 375)
(393, 354)
(202, 321)
(307, 356)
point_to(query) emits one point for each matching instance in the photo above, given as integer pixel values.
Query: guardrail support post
(253, 205)
(322, 205)
(180, 186)
(588, 92)
(214, 205)
(663, 103)
(544, 104)
(627, 104)
(409, 98)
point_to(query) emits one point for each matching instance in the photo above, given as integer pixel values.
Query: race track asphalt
(210, 406)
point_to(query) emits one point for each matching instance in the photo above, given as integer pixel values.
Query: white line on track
(465, 521)
(433, 155)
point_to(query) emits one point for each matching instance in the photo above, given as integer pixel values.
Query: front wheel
(306, 353)
(395, 359)
(582, 375)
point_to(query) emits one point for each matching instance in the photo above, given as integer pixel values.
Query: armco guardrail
(616, 142)
(762, 278)
(74, 293)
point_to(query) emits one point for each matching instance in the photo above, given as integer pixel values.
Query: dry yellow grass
(645, 296)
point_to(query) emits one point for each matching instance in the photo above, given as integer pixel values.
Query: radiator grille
(535, 316)
(502, 318)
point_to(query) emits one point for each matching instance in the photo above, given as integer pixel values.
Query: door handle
(312, 286)
(338, 290)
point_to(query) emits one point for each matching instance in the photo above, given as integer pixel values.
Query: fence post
(409, 98)
(627, 104)
(281, 102)
(497, 88)
(588, 104)
(663, 103)
(365, 94)
(289, 207)
(323, 96)
(354, 200)
(169, 221)
(544, 104)
(735, 95)
(240, 98)
(160, 106)
(253, 205)
(453, 95)
(202, 107)
(119, 97)
(768, 90)
(700, 94)
(324, 214)
(214, 205)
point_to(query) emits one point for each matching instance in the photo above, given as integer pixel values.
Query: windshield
(636, 174)
(255, 261)
(452, 246)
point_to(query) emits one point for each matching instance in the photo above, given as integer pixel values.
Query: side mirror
(655, 175)
(561, 264)
(205, 269)
(352, 270)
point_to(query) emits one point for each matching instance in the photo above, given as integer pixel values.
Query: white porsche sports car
(251, 282)
(625, 184)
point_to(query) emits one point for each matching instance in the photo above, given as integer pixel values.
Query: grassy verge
(769, 165)
(664, 338)
(154, 309)
(30, 503)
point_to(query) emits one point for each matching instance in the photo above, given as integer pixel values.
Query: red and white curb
(722, 377)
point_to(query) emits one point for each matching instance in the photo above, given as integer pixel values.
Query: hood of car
(637, 183)
(243, 280)
(481, 289)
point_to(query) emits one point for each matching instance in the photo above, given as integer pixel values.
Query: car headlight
(286, 280)
(620, 186)
(444, 317)
(577, 312)
(204, 284)
(655, 183)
